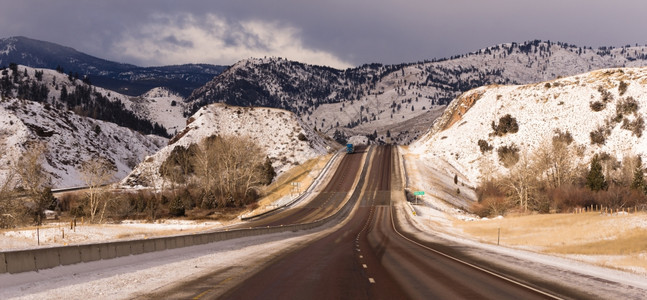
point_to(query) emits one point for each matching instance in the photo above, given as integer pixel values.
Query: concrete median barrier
(171, 243)
(89, 253)
(69, 255)
(108, 250)
(136, 247)
(179, 241)
(122, 249)
(20, 261)
(3, 264)
(149, 246)
(47, 258)
(160, 244)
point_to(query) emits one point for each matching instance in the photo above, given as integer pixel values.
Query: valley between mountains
(525, 160)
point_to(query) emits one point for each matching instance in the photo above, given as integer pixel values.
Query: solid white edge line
(467, 263)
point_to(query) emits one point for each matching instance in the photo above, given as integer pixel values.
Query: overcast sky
(338, 33)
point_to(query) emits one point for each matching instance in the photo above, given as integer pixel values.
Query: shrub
(598, 136)
(627, 106)
(484, 146)
(176, 207)
(562, 137)
(491, 206)
(78, 211)
(606, 95)
(636, 126)
(597, 106)
(617, 196)
(568, 196)
(508, 155)
(507, 124)
(622, 87)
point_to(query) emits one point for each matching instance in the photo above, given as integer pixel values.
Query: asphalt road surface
(366, 258)
(325, 203)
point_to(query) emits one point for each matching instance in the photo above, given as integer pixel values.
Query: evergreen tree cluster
(82, 98)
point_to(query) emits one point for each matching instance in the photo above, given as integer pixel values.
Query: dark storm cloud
(338, 33)
(172, 39)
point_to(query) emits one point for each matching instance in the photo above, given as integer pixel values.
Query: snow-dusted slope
(379, 99)
(540, 109)
(158, 106)
(276, 131)
(69, 139)
(162, 106)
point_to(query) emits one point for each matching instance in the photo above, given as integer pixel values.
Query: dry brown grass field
(618, 240)
(282, 186)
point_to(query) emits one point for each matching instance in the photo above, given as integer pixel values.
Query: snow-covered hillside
(162, 106)
(70, 139)
(65, 91)
(380, 100)
(283, 137)
(603, 111)
(123, 78)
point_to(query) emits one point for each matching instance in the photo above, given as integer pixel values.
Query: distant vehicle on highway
(349, 148)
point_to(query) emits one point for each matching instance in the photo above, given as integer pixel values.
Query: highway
(325, 203)
(369, 257)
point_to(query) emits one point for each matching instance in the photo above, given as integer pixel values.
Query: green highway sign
(418, 193)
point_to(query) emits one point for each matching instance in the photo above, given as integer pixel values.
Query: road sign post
(418, 193)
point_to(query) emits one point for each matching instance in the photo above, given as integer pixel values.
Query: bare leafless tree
(33, 178)
(554, 163)
(227, 169)
(10, 209)
(521, 181)
(96, 173)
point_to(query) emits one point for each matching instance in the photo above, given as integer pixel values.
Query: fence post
(498, 238)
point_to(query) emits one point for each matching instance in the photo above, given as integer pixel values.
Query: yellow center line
(211, 289)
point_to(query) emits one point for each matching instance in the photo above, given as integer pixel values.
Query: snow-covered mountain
(286, 140)
(381, 101)
(41, 105)
(158, 111)
(162, 106)
(603, 111)
(69, 140)
(124, 78)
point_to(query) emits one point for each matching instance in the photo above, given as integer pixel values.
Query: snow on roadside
(433, 221)
(131, 276)
(60, 234)
(601, 281)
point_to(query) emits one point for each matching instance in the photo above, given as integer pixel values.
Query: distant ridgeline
(389, 94)
(71, 93)
(126, 79)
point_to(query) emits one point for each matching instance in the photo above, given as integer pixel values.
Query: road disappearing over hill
(368, 255)
(367, 259)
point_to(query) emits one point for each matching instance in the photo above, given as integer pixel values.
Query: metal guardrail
(45, 258)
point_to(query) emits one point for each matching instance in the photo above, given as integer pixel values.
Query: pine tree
(595, 179)
(268, 171)
(638, 182)
(176, 207)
